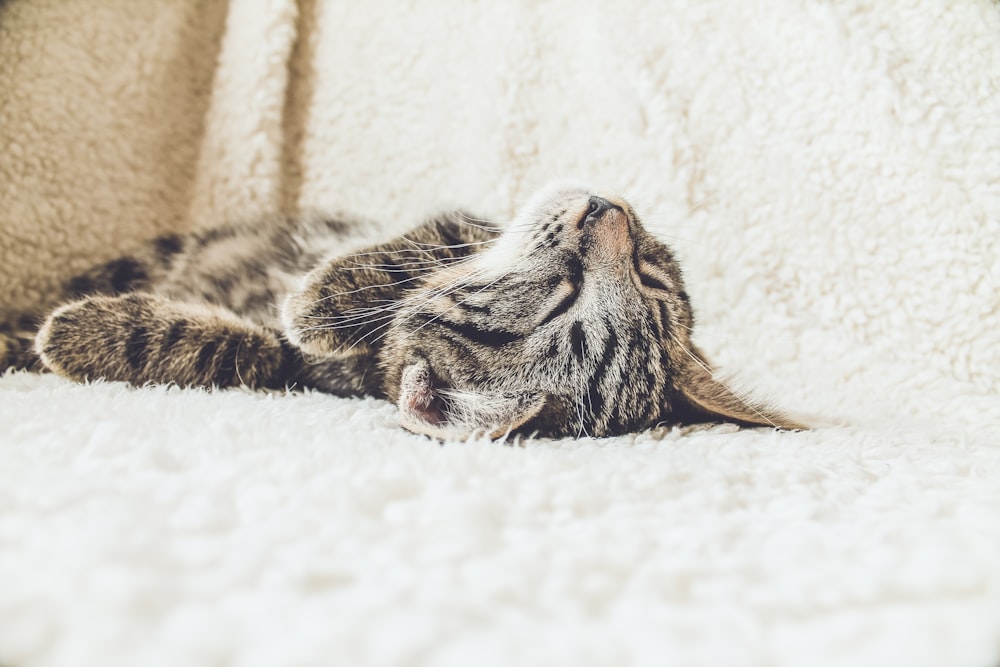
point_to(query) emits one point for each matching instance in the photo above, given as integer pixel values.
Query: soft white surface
(830, 174)
(162, 527)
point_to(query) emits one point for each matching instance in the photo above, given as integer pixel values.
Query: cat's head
(573, 321)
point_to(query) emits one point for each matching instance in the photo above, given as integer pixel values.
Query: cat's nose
(596, 208)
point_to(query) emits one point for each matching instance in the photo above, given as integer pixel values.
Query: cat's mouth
(429, 407)
(420, 399)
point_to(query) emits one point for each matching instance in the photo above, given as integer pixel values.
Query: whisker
(364, 288)
(347, 325)
(427, 249)
(435, 294)
(457, 304)
(378, 285)
(435, 246)
(422, 261)
(479, 223)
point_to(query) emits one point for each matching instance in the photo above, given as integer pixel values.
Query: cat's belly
(250, 270)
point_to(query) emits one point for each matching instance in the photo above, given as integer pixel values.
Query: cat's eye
(647, 277)
(564, 304)
(651, 282)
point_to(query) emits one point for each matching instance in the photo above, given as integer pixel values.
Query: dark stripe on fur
(125, 274)
(578, 340)
(653, 408)
(291, 363)
(473, 308)
(553, 351)
(167, 246)
(225, 372)
(665, 316)
(574, 270)
(174, 333)
(607, 355)
(137, 348)
(205, 356)
(654, 325)
(481, 335)
(561, 307)
(81, 285)
(449, 234)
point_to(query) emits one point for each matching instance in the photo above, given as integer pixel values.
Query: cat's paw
(59, 343)
(314, 324)
(139, 338)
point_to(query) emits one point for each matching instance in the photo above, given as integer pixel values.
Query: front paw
(313, 324)
(65, 343)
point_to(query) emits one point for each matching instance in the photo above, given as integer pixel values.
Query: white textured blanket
(830, 176)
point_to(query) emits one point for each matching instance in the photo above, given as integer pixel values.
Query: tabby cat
(570, 320)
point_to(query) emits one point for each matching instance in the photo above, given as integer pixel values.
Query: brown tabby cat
(571, 320)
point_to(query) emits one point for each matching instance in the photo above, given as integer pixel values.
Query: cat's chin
(440, 412)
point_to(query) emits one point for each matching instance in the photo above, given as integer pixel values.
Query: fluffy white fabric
(830, 175)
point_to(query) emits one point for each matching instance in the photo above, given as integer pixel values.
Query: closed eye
(651, 282)
(564, 304)
(648, 276)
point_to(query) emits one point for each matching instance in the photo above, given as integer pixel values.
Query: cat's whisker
(427, 249)
(368, 287)
(352, 320)
(436, 294)
(431, 247)
(457, 304)
(444, 291)
(355, 343)
(236, 361)
(479, 223)
(357, 313)
(502, 226)
(420, 265)
(337, 327)
(419, 300)
(419, 260)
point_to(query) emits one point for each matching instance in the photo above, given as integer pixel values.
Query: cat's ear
(708, 399)
(430, 408)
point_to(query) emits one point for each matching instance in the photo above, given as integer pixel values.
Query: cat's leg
(346, 304)
(140, 338)
(119, 276)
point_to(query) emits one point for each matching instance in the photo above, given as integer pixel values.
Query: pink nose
(596, 208)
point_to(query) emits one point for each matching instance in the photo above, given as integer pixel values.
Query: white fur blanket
(830, 176)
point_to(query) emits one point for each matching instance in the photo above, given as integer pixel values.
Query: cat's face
(574, 321)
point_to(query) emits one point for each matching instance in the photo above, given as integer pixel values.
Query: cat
(572, 320)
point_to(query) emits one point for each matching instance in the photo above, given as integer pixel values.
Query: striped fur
(570, 320)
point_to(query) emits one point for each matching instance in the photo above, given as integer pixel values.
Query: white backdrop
(830, 176)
